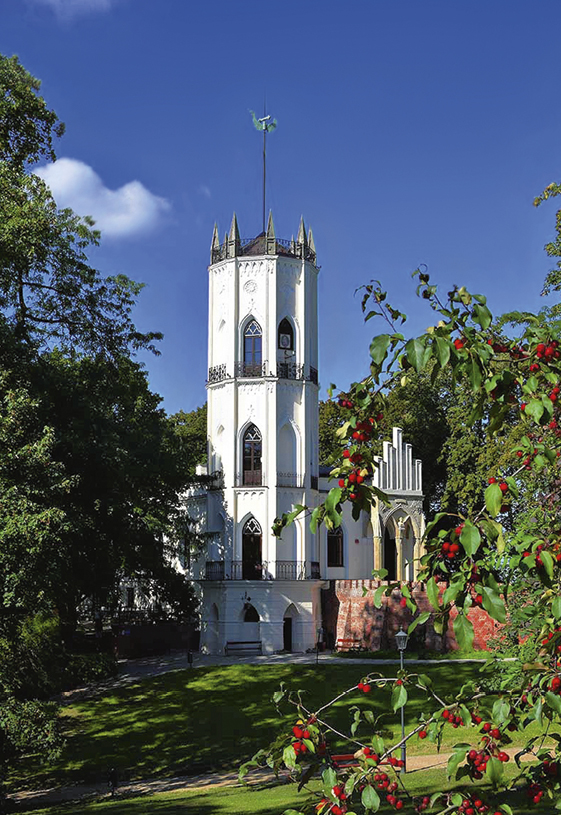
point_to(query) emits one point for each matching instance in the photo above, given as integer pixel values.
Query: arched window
(251, 615)
(252, 451)
(252, 355)
(252, 567)
(286, 335)
(335, 547)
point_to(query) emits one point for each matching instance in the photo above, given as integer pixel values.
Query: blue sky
(408, 132)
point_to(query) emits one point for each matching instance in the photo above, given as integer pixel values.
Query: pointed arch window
(252, 349)
(335, 547)
(252, 452)
(286, 335)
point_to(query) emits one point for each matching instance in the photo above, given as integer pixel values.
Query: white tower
(263, 437)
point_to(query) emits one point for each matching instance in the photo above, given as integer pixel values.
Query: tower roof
(266, 243)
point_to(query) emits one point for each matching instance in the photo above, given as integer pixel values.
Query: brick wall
(349, 613)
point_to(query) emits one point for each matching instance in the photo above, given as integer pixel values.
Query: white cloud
(205, 191)
(117, 213)
(72, 8)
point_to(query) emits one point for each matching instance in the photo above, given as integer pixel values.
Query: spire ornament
(264, 125)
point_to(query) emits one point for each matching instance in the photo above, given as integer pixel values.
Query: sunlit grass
(195, 721)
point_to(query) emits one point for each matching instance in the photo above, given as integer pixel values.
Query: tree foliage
(499, 549)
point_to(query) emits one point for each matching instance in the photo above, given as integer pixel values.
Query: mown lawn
(195, 721)
(269, 801)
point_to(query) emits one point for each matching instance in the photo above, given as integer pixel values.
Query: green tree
(478, 559)
(191, 431)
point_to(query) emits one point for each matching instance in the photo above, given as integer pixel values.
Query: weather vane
(266, 126)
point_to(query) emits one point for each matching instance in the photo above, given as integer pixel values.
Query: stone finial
(271, 239)
(234, 238)
(311, 243)
(215, 245)
(302, 239)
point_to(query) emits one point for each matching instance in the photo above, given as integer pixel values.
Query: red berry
(403, 602)
(423, 734)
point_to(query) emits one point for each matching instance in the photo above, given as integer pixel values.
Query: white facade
(263, 440)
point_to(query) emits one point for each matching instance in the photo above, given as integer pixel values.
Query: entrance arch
(289, 627)
(390, 556)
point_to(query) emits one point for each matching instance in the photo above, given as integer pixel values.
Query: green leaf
(424, 680)
(501, 711)
(422, 618)
(289, 757)
(454, 761)
(415, 351)
(463, 631)
(329, 780)
(494, 771)
(378, 596)
(379, 348)
(548, 562)
(493, 604)
(493, 499)
(556, 607)
(442, 351)
(331, 502)
(370, 798)
(399, 696)
(482, 315)
(433, 593)
(310, 745)
(535, 409)
(470, 538)
(553, 701)
(474, 373)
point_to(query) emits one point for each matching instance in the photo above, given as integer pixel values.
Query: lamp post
(401, 641)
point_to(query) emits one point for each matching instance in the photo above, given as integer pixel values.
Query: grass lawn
(269, 801)
(194, 721)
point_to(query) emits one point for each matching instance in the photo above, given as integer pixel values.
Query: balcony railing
(261, 245)
(313, 375)
(251, 369)
(290, 370)
(217, 373)
(249, 570)
(290, 480)
(314, 482)
(250, 478)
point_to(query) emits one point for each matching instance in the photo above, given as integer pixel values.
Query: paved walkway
(51, 797)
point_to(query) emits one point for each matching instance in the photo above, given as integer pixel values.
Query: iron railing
(261, 245)
(290, 480)
(251, 369)
(250, 478)
(217, 373)
(250, 570)
(290, 370)
(313, 375)
(314, 482)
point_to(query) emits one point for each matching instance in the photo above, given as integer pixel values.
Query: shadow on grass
(191, 722)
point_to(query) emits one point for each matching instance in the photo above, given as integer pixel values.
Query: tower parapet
(266, 243)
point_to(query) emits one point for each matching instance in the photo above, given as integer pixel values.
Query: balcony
(249, 570)
(216, 374)
(250, 478)
(262, 245)
(292, 370)
(290, 480)
(251, 370)
(314, 482)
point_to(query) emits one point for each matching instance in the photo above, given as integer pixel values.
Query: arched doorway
(252, 567)
(390, 556)
(289, 633)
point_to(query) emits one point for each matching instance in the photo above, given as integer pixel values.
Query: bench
(349, 645)
(237, 648)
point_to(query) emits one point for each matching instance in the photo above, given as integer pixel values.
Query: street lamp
(401, 641)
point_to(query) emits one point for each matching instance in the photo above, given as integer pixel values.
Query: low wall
(350, 613)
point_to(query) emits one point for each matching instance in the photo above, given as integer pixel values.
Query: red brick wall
(349, 613)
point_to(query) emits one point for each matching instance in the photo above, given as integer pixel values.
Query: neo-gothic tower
(263, 438)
